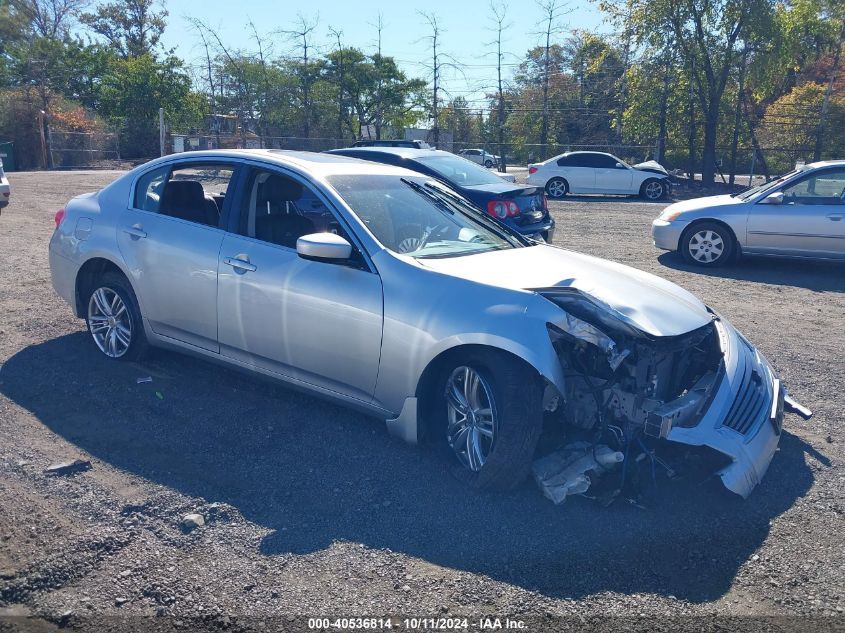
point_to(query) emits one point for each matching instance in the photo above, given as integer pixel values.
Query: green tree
(132, 27)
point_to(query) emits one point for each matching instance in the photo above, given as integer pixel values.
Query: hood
(651, 165)
(709, 202)
(653, 305)
(504, 188)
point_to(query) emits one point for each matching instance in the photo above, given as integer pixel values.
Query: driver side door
(810, 222)
(315, 322)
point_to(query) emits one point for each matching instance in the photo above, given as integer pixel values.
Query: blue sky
(465, 25)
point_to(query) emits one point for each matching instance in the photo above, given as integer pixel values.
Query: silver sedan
(378, 287)
(801, 214)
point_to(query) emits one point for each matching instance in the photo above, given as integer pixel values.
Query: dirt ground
(313, 510)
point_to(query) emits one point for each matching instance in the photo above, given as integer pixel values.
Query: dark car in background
(392, 143)
(522, 208)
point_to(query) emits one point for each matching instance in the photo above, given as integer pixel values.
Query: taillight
(502, 209)
(60, 215)
(532, 170)
(545, 203)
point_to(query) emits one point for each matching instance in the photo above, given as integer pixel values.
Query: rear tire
(515, 394)
(113, 318)
(707, 244)
(557, 188)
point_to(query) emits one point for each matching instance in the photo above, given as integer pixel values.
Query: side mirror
(620, 166)
(323, 246)
(773, 198)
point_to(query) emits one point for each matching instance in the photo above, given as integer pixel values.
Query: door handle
(240, 264)
(835, 216)
(136, 231)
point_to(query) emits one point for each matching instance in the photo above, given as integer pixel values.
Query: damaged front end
(627, 394)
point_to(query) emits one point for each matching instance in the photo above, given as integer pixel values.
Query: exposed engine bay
(624, 392)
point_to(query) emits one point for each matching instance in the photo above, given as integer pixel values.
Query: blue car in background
(522, 208)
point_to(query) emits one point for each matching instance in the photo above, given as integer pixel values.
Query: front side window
(459, 170)
(280, 210)
(194, 192)
(420, 217)
(823, 187)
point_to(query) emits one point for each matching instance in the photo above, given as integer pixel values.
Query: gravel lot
(312, 510)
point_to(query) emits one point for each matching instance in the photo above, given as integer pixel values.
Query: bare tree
(499, 12)
(436, 69)
(265, 83)
(379, 118)
(552, 11)
(50, 18)
(740, 95)
(302, 34)
(341, 80)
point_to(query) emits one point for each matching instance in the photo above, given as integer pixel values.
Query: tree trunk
(817, 151)
(738, 115)
(660, 148)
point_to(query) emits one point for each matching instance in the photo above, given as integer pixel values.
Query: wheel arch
(433, 371)
(91, 270)
(557, 177)
(708, 220)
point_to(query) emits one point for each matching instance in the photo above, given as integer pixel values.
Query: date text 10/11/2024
(417, 624)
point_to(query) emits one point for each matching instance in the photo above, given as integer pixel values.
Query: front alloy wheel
(707, 244)
(109, 322)
(654, 190)
(472, 421)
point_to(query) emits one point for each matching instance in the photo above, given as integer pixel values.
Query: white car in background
(596, 172)
(480, 156)
(5, 188)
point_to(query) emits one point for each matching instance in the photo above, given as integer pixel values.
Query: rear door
(611, 178)
(578, 171)
(170, 238)
(313, 321)
(810, 222)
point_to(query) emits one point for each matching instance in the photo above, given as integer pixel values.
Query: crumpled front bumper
(745, 416)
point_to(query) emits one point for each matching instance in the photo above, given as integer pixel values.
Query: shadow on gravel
(818, 276)
(314, 473)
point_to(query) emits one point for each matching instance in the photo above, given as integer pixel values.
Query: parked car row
(405, 285)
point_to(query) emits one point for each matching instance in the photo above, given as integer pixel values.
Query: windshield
(748, 193)
(459, 170)
(419, 217)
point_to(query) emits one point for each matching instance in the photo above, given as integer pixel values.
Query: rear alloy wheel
(707, 244)
(557, 188)
(492, 405)
(114, 320)
(653, 190)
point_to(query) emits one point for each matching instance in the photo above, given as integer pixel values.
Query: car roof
(403, 152)
(822, 163)
(315, 163)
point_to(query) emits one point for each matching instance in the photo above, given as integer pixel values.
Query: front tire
(488, 163)
(114, 319)
(490, 413)
(707, 244)
(653, 190)
(557, 188)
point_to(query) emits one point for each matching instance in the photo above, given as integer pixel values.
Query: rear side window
(573, 160)
(194, 192)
